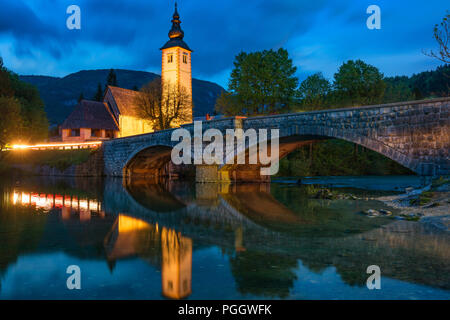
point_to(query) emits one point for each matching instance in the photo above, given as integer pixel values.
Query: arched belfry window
(170, 58)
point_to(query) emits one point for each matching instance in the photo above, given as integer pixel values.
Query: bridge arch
(148, 162)
(295, 137)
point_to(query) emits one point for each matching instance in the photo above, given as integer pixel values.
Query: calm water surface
(180, 240)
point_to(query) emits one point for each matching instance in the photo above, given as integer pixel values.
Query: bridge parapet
(416, 134)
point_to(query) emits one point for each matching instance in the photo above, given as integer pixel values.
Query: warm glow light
(93, 144)
(25, 198)
(93, 205)
(67, 201)
(49, 201)
(58, 201)
(84, 204)
(127, 224)
(34, 198)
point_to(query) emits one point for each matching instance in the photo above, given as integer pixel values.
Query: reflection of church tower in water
(176, 264)
(176, 61)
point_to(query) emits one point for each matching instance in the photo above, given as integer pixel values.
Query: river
(179, 240)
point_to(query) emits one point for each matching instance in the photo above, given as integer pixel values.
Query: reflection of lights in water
(74, 202)
(93, 205)
(84, 204)
(58, 201)
(34, 198)
(176, 251)
(15, 197)
(49, 201)
(25, 198)
(42, 201)
(85, 215)
(67, 201)
(176, 272)
(127, 224)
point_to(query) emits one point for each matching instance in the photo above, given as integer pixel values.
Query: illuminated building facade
(116, 115)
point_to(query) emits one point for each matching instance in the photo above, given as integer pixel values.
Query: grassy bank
(59, 159)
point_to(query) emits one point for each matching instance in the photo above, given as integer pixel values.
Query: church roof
(125, 100)
(90, 114)
(176, 43)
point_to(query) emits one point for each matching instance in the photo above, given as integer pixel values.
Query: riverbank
(430, 205)
(80, 163)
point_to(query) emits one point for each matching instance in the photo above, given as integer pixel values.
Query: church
(116, 115)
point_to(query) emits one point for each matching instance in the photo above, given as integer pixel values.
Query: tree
(398, 89)
(6, 89)
(10, 121)
(23, 118)
(313, 91)
(262, 82)
(99, 94)
(227, 104)
(164, 106)
(358, 83)
(111, 80)
(81, 97)
(442, 35)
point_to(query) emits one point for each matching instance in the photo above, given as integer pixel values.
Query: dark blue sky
(318, 34)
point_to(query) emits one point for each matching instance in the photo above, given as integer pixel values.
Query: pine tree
(81, 97)
(111, 80)
(99, 94)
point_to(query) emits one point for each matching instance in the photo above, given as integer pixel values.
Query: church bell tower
(176, 60)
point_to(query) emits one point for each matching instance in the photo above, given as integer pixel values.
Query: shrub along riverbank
(58, 159)
(338, 158)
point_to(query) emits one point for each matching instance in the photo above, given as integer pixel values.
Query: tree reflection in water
(266, 231)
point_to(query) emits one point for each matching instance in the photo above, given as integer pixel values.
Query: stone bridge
(416, 134)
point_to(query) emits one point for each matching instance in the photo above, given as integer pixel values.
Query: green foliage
(337, 157)
(111, 80)
(358, 83)
(10, 121)
(398, 89)
(261, 82)
(23, 118)
(427, 84)
(60, 159)
(99, 94)
(422, 199)
(313, 92)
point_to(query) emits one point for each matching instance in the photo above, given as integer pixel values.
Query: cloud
(319, 34)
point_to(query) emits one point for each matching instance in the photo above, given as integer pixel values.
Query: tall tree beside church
(162, 106)
(262, 82)
(358, 83)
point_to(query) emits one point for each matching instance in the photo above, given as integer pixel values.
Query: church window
(185, 56)
(170, 58)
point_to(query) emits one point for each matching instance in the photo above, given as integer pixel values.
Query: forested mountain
(60, 95)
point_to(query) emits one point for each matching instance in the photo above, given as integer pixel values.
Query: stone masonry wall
(416, 134)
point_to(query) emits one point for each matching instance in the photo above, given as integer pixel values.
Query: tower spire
(176, 32)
